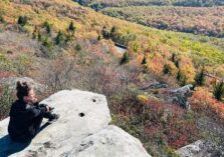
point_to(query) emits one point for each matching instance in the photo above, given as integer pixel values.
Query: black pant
(33, 129)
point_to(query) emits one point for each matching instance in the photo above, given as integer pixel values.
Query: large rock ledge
(82, 131)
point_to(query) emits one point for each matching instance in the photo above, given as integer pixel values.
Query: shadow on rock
(9, 147)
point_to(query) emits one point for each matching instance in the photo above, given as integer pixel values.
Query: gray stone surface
(74, 135)
(201, 148)
(191, 150)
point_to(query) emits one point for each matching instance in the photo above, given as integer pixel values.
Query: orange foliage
(202, 101)
(187, 68)
(155, 63)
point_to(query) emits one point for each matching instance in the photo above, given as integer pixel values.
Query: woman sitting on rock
(26, 114)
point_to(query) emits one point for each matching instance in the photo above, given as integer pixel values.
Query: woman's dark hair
(22, 89)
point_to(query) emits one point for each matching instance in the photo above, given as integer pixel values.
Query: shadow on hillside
(9, 147)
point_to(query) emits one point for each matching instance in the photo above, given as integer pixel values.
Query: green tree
(59, 38)
(48, 27)
(71, 27)
(144, 61)
(200, 78)
(78, 47)
(181, 78)
(218, 90)
(166, 69)
(22, 20)
(125, 58)
(47, 43)
(173, 57)
(35, 32)
(2, 20)
(99, 37)
(105, 33)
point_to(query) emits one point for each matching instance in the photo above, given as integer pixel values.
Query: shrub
(59, 38)
(173, 57)
(22, 20)
(6, 100)
(105, 33)
(78, 47)
(39, 36)
(47, 43)
(125, 58)
(71, 27)
(47, 26)
(203, 102)
(200, 78)
(99, 38)
(35, 33)
(113, 32)
(21, 64)
(218, 90)
(181, 78)
(5, 64)
(144, 61)
(2, 19)
(166, 69)
(96, 6)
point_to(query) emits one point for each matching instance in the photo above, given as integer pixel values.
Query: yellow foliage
(142, 98)
(187, 68)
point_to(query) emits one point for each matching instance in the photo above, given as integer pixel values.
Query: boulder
(201, 148)
(183, 90)
(180, 95)
(83, 130)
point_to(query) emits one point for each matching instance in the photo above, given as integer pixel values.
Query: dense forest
(98, 4)
(197, 20)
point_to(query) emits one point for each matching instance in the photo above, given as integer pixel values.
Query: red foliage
(202, 101)
(169, 121)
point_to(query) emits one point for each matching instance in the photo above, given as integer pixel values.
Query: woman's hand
(48, 108)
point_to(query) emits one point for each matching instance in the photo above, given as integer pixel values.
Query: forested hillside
(197, 17)
(120, 3)
(197, 20)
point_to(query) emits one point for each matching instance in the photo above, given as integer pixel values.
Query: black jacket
(21, 117)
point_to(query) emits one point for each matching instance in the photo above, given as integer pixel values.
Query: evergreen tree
(218, 90)
(144, 61)
(166, 69)
(59, 38)
(47, 27)
(2, 20)
(78, 47)
(200, 78)
(105, 33)
(125, 58)
(181, 78)
(71, 27)
(22, 20)
(99, 38)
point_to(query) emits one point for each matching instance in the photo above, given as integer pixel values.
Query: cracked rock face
(81, 131)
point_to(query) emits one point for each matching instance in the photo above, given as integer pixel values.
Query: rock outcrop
(195, 149)
(83, 130)
(201, 148)
(180, 95)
